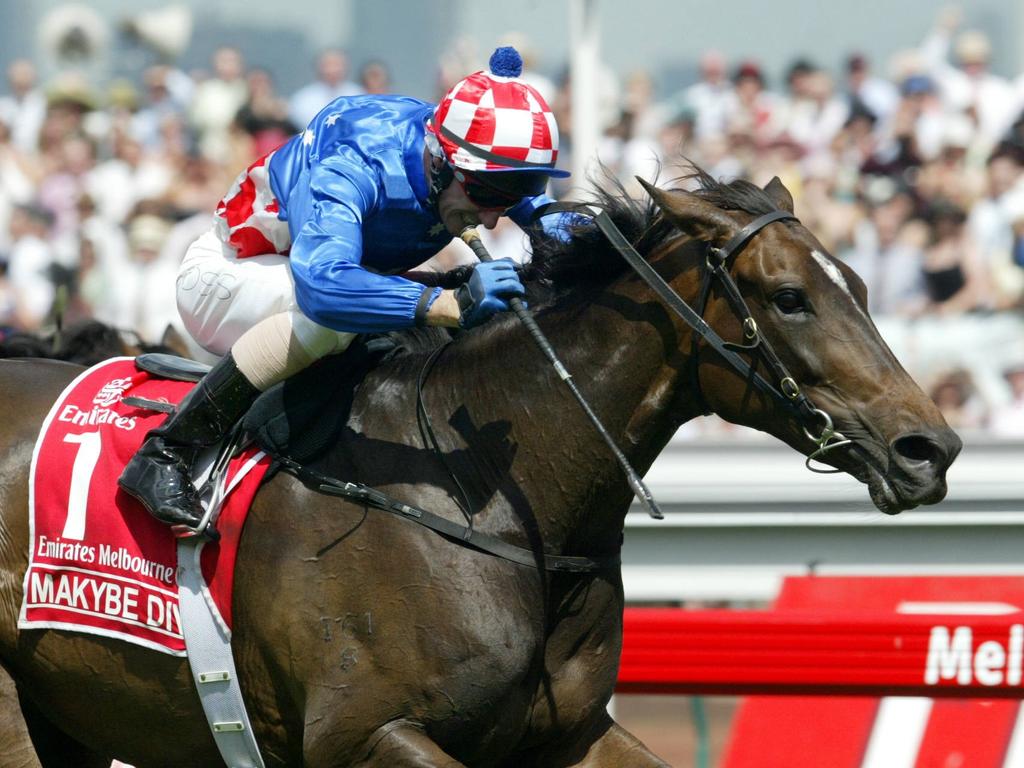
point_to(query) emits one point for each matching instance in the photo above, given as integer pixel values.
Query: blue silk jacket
(353, 190)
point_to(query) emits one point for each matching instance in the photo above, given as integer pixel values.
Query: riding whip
(643, 494)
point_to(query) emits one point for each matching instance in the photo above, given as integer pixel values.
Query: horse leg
(402, 745)
(15, 743)
(615, 747)
(55, 748)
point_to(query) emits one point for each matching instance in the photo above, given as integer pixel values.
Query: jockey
(307, 244)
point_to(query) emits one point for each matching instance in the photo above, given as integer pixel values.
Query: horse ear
(692, 215)
(777, 191)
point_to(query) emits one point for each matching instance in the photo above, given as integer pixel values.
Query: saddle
(301, 417)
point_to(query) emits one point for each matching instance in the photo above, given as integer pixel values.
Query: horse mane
(560, 271)
(588, 259)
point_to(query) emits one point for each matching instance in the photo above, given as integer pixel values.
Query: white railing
(741, 514)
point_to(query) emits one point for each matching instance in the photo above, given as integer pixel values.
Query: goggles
(500, 189)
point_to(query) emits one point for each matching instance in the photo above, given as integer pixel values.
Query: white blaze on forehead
(834, 274)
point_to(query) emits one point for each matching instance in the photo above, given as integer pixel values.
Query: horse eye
(789, 301)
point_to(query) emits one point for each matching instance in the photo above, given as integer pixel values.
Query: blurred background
(898, 127)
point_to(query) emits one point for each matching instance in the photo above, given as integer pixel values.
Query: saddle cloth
(98, 562)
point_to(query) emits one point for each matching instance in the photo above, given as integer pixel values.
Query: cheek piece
(441, 177)
(441, 173)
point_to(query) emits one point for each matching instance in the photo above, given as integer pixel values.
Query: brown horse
(363, 639)
(86, 343)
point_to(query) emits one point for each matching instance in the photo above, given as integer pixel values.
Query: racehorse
(363, 639)
(87, 342)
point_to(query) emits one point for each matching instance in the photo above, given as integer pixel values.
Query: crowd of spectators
(915, 180)
(104, 185)
(914, 176)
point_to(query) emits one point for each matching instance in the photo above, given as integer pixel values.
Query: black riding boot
(159, 474)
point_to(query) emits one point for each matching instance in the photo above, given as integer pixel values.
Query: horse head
(812, 310)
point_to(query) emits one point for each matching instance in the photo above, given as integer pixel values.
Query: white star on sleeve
(307, 137)
(332, 119)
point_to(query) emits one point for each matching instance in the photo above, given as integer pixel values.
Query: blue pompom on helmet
(506, 62)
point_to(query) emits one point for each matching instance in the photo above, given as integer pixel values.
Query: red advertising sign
(939, 644)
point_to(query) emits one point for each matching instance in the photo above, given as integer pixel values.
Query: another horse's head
(812, 310)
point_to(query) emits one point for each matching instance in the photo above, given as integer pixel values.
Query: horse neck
(629, 360)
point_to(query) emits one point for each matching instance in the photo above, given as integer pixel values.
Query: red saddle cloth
(98, 562)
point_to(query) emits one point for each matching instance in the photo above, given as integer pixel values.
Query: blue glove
(555, 225)
(558, 226)
(488, 291)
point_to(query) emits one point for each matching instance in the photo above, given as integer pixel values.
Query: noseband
(781, 387)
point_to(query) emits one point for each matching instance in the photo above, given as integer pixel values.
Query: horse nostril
(918, 449)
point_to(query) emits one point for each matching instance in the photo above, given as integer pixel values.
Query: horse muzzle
(913, 471)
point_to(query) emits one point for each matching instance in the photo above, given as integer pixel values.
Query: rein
(782, 387)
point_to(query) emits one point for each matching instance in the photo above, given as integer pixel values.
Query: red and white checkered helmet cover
(490, 122)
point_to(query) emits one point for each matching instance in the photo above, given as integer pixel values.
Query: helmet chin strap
(441, 172)
(441, 177)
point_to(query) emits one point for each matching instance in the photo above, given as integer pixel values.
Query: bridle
(780, 386)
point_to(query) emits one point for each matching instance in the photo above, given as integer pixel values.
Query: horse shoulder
(334, 601)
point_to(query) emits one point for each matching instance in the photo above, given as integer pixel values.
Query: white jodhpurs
(249, 305)
(220, 296)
